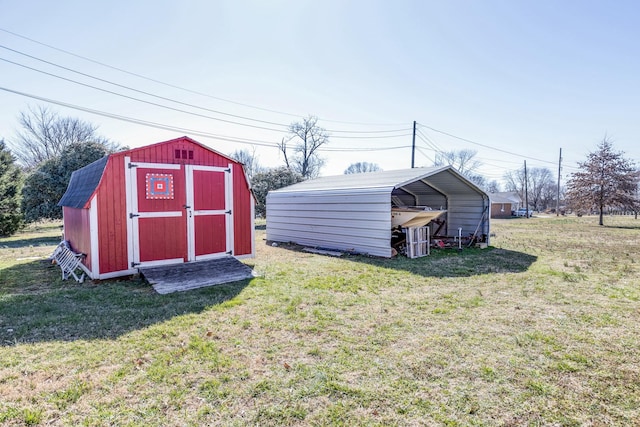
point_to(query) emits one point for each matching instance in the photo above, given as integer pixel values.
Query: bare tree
(304, 139)
(540, 182)
(462, 160)
(492, 187)
(45, 135)
(606, 180)
(361, 167)
(250, 161)
(514, 181)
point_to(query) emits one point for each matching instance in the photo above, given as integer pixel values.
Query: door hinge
(228, 212)
(132, 165)
(134, 264)
(228, 170)
(229, 252)
(132, 215)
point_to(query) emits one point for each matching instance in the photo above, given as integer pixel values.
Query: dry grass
(540, 329)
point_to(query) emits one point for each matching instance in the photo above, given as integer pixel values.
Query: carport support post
(413, 147)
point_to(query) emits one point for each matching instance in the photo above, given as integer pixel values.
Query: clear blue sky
(525, 77)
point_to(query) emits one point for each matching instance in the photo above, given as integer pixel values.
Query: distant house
(502, 204)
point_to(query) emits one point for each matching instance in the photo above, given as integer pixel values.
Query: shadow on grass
(623, 227)
(33, 241)
(37, 306)
(453, 263)
(447, 262)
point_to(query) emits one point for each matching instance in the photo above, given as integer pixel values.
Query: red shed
(172, 202)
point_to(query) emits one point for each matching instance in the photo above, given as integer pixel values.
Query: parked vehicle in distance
(523, 212)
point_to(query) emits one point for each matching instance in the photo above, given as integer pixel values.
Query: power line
(128, 87)
(181, 110)
(286, 126)
(421, 151)
(430, 144)
(428, 140)
(399, 147)
(370, 137)
(140, 100)
(187, 130)
(484, 145)
(183, 88)
(142, 122)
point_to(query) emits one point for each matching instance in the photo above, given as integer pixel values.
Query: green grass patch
(538, 329)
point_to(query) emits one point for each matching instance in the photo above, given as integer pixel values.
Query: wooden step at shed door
(193, 275)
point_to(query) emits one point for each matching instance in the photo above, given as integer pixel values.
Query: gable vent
(184, 154)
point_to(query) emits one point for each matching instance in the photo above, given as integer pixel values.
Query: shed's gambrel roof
(439, 177)
(83, 183)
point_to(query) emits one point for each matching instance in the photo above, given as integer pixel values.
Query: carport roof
(440, 176)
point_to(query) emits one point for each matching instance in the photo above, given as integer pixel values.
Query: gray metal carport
(353, 212)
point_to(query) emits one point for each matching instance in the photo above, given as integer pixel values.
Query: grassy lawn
(539, 329)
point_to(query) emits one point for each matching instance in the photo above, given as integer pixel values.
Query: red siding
(111, 202)
(210, 235)
(76, 231)
(208, 190)
(112, 217)
(162, 238)
(242, 219)
(165, 152)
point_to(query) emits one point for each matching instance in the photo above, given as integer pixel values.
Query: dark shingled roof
(83, 183)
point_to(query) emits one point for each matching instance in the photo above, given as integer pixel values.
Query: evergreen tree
(10, 188)
(45, 186)
(271, 179)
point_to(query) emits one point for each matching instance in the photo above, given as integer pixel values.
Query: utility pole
(526, 190)
(413, 147)
(558, 194)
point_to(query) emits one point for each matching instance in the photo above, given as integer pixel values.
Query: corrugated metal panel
(467, 212)
(386, 180)
(353, 212)
(350, 221)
